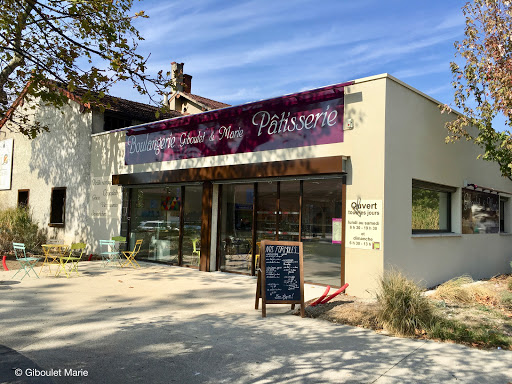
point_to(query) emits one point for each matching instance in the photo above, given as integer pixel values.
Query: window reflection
(236, 227)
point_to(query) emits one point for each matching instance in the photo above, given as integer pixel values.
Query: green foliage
(425, 209)
(506, 300)
(485, 78)
(73, 43)
(17, 225)
(425, 218)
(447, 329)
(403, 309)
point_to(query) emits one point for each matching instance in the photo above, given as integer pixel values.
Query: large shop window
(236, 227)
(286, 210)
(431, 207)
(168, 221)
(58, 207)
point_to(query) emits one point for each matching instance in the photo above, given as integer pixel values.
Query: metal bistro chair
(109, 254)
(130, 255)
(196, 249)
(69, 263)
(26, 263)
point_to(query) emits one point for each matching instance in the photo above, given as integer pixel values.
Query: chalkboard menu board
(281, 276)
(480, 212)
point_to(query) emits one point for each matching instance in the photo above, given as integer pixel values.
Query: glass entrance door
(296, 210)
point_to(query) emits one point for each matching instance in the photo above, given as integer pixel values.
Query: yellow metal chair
(69, 263)
(196, 250)
(258, 244)
(130, 255)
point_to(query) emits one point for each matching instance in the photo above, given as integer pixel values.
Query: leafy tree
(483, 86)
(50, 45)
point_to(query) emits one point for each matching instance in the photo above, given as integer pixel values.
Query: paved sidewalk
(164, 324)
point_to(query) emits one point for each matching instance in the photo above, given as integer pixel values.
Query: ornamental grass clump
(403, 309)
(455, 290)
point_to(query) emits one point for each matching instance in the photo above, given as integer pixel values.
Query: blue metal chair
(26, 263)
(109, 254)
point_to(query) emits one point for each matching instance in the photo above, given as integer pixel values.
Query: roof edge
(405, 85)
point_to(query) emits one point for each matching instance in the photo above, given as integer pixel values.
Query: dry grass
(463, 290)
(403, 309)
(454, 290)
(485, 321)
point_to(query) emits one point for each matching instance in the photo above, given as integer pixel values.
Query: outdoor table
(52, 252)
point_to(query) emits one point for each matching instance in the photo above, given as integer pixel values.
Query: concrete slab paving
(164, 324)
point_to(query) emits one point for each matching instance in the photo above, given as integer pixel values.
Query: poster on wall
(106, 199)
(364, 224)
(480, 212)
(6, 147)
(337, 227)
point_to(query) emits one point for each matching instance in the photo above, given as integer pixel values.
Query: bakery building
(358, 171)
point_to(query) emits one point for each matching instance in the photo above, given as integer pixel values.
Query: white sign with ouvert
(364, 224)
(106, 198)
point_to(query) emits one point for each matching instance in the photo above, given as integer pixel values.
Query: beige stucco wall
(416, 149)
(58, 158)
(365, 105)
(182, 104)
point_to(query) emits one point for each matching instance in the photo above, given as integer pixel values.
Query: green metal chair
(69, 263)
(26, 263)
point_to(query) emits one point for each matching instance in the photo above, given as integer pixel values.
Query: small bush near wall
(403, 309)
(17, 225)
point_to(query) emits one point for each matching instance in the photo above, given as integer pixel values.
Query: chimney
(177, 75)
(187, 81)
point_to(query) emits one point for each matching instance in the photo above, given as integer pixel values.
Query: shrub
(403, 309)
(17, 225)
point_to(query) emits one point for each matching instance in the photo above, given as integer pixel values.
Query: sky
(241, 51)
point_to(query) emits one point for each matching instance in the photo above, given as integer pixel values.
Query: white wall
(416, 149)
(59, 158)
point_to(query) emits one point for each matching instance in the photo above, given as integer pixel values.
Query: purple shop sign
(255, 127)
